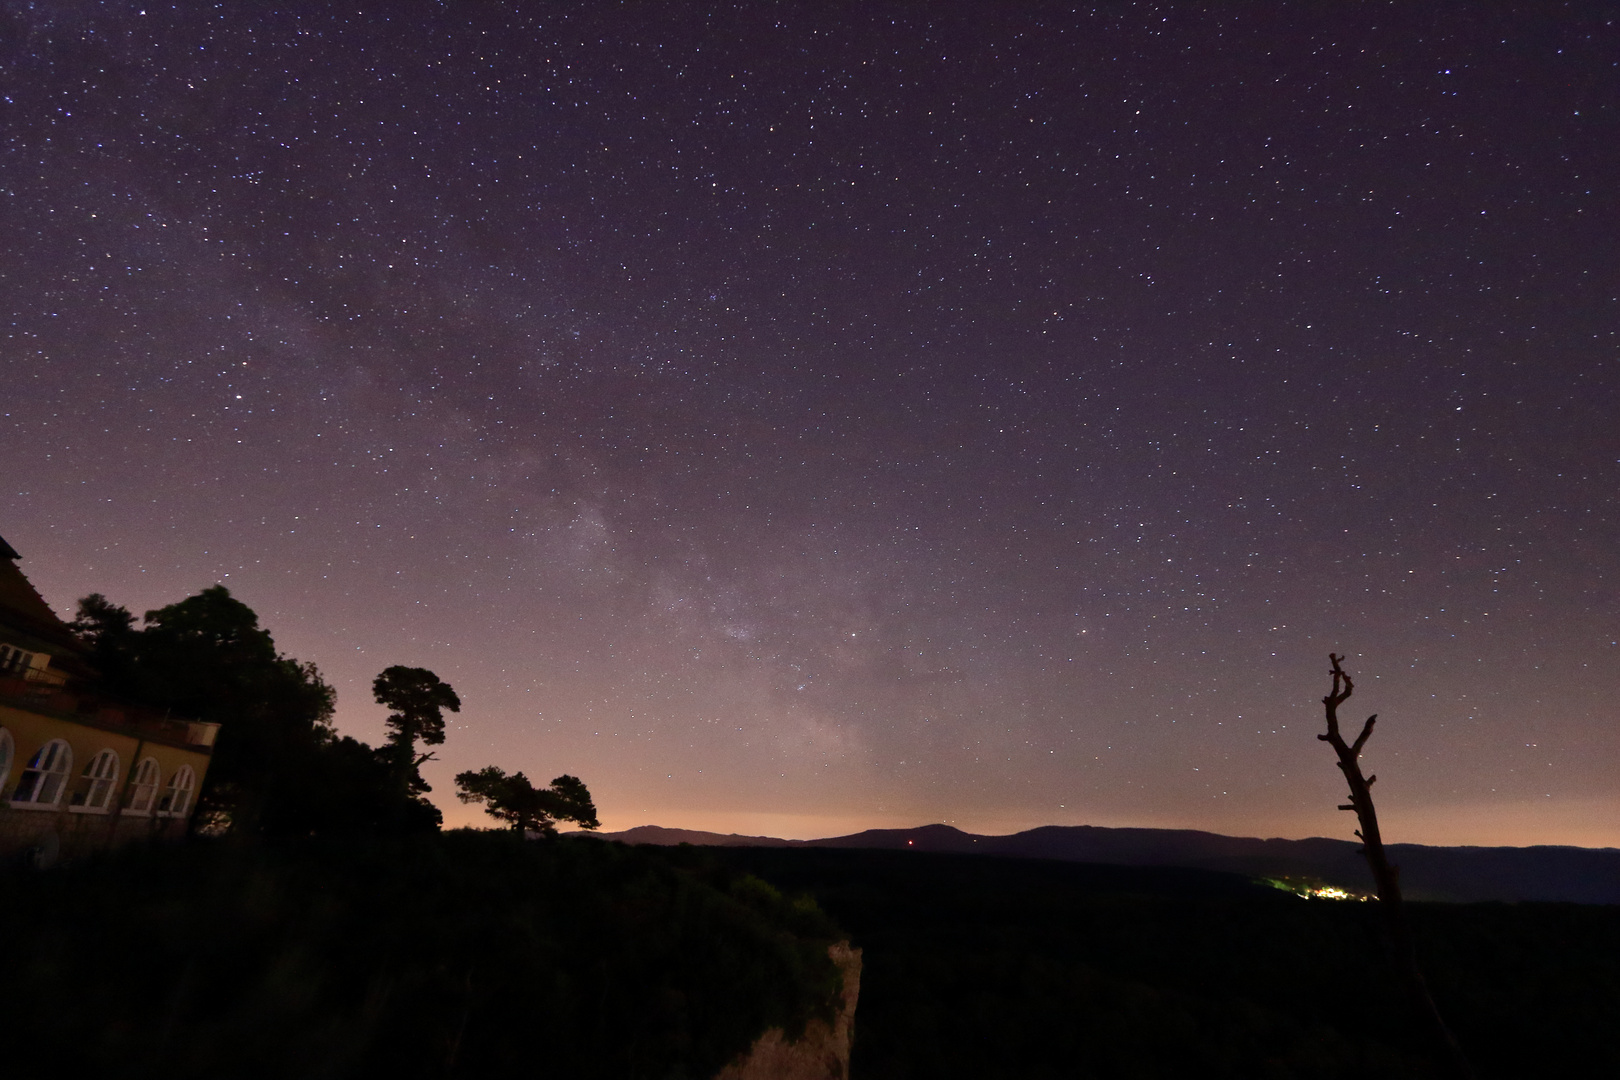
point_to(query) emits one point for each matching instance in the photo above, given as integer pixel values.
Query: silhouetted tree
(277, 766)
(1385, 875)
(516, 801)
(352, 790)
(208, 658)
(109, 636)
(418, 698)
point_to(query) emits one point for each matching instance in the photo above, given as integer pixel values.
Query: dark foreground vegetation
(461, 954)
(484, 955)
(986, 967)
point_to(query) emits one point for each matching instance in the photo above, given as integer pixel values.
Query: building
(80, 772)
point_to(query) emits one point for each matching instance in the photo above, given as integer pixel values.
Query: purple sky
(793, 421)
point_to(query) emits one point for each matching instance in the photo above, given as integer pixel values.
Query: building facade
(80, 772)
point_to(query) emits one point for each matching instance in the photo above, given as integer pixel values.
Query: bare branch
(1337, 695)
(1384, 874)
(1366, 733)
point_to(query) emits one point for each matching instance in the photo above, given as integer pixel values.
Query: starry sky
(800, 418)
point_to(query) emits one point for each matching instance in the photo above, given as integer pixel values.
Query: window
(7, 748)
(177, 796)
(143, 789)
(94, 793)
(41, 784)
(13, 661)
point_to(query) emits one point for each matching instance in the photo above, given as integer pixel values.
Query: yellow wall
(23, 826)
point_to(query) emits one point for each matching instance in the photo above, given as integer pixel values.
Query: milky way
(793, 420)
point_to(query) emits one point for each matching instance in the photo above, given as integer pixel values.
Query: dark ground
(482, 955)
(455, 955)
(989, 967)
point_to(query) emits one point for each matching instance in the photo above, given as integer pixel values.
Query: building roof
(25, 613)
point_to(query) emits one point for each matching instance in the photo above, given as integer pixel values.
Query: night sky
(794, 419)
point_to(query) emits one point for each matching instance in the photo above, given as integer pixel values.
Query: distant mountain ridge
(1460, 874)
(659, 836)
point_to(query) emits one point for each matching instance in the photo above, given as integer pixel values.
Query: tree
(1385, 875)
(418, 698)
(516, 801)
(353, 791)
(206, 657)
(278, 768)
(109, 635)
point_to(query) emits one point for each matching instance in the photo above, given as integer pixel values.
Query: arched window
(94, 794)
(7, 748)
(177, 796)
(42, 780)
(15, 662)
(143, 789)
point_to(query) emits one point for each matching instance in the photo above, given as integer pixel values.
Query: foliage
(108, 632)
(516, 801)
(351, 789)
(277, 766)
(479, 954)
(418, 699)
(459, 954)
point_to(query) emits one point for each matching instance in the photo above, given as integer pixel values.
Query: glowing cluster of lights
(1329, 892)
(1314, 892)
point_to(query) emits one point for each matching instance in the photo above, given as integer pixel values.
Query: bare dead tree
(1387, 877)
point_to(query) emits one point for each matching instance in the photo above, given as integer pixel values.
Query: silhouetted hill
(662, 837)
(1463, 874)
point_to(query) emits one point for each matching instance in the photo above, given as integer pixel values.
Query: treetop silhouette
(516, 801)
(418, 699)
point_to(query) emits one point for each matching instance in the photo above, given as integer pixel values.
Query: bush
(461, 954)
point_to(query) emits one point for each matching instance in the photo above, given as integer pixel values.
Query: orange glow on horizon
(1592, 824)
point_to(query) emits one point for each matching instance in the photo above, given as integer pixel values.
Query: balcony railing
(96, 711)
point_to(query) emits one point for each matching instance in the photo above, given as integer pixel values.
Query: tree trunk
(1385, 876)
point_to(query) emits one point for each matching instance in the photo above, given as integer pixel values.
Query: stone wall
(823, 1051)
